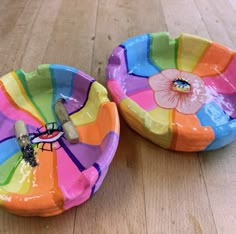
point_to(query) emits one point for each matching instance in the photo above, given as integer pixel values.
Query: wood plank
(218, 166)
(147, 189)
(128, 13)
(18, 45)
(41, 32)
(11, 224)
(118, 206)
(40, 26)
(124, 19)
(176, 197)
(72, 41)
(220, 175)
(222, 21)
(15, 32)
(183, 17)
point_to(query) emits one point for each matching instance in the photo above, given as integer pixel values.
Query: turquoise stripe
(62, 79)
(224, 128)
(8, 148)
(137, 51)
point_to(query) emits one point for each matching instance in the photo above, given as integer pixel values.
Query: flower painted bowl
(180, 93)
(67, 174)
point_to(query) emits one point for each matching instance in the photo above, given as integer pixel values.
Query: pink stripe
(115, 90)
(224, 82)
(13, 113)
(75, 185)
(92, 175)
(145, 99)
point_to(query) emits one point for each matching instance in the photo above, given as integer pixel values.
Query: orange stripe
(44, 194)
(189, 135)
(214, 61)
(106, 121)
(15, 105)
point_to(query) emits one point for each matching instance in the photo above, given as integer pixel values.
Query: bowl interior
(63, 168)
(151, 74)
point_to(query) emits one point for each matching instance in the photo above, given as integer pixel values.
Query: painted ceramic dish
(66, 174)
(179, 93)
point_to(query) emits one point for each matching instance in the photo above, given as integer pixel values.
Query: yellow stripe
(97, 95)
(21, 180)
(154, 125)
(190, 50)
(17, 93)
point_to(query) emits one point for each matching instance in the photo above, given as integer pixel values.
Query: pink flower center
(181, 85)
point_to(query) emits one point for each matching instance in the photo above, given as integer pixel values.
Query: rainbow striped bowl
(66, 174)
(180, 93)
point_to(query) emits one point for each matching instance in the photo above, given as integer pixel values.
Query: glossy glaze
(66, 174)
(178, 92)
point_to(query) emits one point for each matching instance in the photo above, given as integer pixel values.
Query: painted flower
(178, 92)
(178, 89)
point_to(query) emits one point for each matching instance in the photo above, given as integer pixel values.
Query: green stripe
(38, 87)
(163, 51)
(7, 169)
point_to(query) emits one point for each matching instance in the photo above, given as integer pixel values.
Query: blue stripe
(137, 52)
(223, 126)
(62, 80)
(8, 147)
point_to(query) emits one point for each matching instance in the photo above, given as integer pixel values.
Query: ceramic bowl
(180, 93)
(67, 174)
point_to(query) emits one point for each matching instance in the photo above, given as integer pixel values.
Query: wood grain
(124, 19)
(147, 189)
(179, 202)
(119, 206)
(218, 167)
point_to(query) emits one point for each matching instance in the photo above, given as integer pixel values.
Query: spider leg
(42, 148)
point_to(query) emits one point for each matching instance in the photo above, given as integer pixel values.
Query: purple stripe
(7, 138)
(117, 66)
(71, 155)
(81, 87)
(96, 165)
(7, 127)
(117, 69)
(87, 154)
(226, 102)
(100, 180)
(94, 188)
(134, 83)
(84, 153)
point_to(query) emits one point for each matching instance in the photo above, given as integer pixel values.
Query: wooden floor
(147, 189)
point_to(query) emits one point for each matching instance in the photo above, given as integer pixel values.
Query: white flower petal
(167, 99)
(188, 105)
(171, 74)
(159, 82)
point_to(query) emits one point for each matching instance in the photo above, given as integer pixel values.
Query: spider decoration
(47, 135)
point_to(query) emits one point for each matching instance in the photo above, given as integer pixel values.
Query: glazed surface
(67, 174)
(179, 93)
